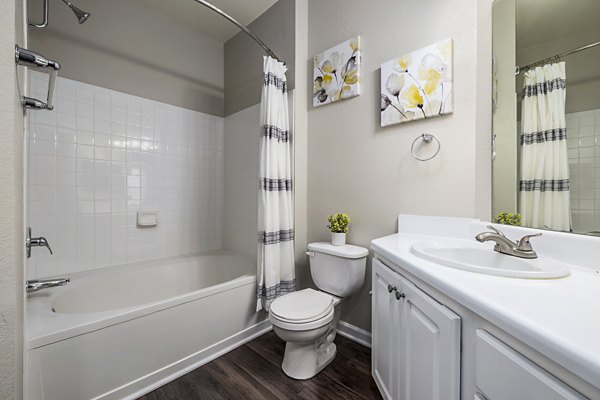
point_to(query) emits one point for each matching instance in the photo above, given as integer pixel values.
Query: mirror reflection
(546, 113)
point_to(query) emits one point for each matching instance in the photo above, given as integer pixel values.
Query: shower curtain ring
(427, 138)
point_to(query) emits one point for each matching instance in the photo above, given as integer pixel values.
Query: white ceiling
(200, 18)
(542, 20)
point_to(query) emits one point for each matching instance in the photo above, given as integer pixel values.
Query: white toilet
(307, 319)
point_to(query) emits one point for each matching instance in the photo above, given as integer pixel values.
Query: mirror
(546, 113)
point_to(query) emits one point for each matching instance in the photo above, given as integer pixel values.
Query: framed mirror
(546, 113)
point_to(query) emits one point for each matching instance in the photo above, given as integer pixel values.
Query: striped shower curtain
(544, 197)
(275, 275)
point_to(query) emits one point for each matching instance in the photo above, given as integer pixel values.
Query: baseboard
(156, 379)
(354, 333)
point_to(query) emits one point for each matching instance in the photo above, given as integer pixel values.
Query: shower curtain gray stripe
(272, 79)
(275, 184)
(275, 272)
(545, 185)
(273, 132)
(276, 237)
(273, 292)
(539, 88)
(545, 136)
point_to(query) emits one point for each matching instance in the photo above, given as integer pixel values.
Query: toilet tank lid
(346, 251)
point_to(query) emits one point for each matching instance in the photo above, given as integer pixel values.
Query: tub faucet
(504, 245)
(35, 285)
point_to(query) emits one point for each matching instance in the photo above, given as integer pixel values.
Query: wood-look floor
(253, 371)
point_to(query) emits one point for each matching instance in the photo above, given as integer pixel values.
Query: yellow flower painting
(337, 73)
(417, 85)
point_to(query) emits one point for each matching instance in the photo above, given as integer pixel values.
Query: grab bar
(30, 58)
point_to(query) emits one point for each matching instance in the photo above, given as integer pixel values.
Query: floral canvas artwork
(337, 73)
(417, 85)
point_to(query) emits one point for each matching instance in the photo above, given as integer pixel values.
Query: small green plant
(338, 223)
(508, 219)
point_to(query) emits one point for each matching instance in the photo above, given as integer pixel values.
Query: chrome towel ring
(427, 138)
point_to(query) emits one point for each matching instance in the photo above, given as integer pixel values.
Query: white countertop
(560, 318)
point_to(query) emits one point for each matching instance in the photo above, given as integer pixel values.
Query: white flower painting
(417, 85)
(337, 73)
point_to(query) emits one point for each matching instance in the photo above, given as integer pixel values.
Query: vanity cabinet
(416, 341)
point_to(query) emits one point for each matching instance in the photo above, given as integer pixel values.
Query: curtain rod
(242, 27)
(556, 57)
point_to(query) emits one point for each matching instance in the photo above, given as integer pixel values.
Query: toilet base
(307, 352)
(303, 361)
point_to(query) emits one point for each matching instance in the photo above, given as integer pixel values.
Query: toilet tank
(339, 270)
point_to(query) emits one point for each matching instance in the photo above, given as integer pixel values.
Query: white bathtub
(126, 330)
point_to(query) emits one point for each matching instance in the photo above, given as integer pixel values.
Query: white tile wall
(241, 180)
(100, 157)
(583, 139)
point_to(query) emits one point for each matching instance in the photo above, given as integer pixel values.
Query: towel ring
(427, 138)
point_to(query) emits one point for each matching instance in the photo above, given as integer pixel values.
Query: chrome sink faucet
(504, 245)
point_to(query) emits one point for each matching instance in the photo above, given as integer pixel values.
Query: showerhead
(81, 15)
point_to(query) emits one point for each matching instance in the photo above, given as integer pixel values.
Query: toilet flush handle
(310, 253)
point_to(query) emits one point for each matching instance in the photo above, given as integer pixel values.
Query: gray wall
(244, 57)
(358, 167)
(11, 206)
(129, 48)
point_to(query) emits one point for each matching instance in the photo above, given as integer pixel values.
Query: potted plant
(338, 225)
(508, 218)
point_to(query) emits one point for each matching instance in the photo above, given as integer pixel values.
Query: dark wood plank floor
(253, 371)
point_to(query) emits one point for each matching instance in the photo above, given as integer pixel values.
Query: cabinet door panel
(385, 335)
(430, 368)
(504, 374)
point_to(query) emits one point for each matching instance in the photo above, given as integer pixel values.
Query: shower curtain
(544, 186)
(275, 275)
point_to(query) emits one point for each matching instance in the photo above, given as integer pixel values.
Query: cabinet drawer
(504, 374)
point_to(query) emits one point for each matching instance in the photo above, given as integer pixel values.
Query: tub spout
(35, 285)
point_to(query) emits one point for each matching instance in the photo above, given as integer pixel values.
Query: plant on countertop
(508, 219)
(339, 223)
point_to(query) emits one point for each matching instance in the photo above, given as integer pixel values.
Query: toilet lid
(302, 306)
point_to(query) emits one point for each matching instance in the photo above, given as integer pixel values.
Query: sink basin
(484, 260)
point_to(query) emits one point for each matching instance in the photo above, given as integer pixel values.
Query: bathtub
(123, 331)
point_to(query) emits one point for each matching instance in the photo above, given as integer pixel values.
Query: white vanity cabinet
(416, 349)
(416, 341)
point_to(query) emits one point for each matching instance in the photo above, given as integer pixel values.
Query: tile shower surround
(583, 141)
(100, 157)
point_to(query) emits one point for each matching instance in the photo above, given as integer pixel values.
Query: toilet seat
(302, 310)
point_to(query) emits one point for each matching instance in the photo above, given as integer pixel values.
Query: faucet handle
(524, 242)
(44, 243)
(496, 230)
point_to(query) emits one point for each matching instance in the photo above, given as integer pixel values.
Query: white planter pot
(338, 239)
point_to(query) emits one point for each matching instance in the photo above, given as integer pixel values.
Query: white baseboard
(354, 333)
(156, 379)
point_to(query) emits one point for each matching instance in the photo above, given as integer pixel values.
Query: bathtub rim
(45, 327)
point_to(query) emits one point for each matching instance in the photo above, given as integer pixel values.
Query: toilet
(307, 319)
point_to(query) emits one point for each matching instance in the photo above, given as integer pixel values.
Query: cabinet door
(385, 325)
(504, 374)
(430, 343)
